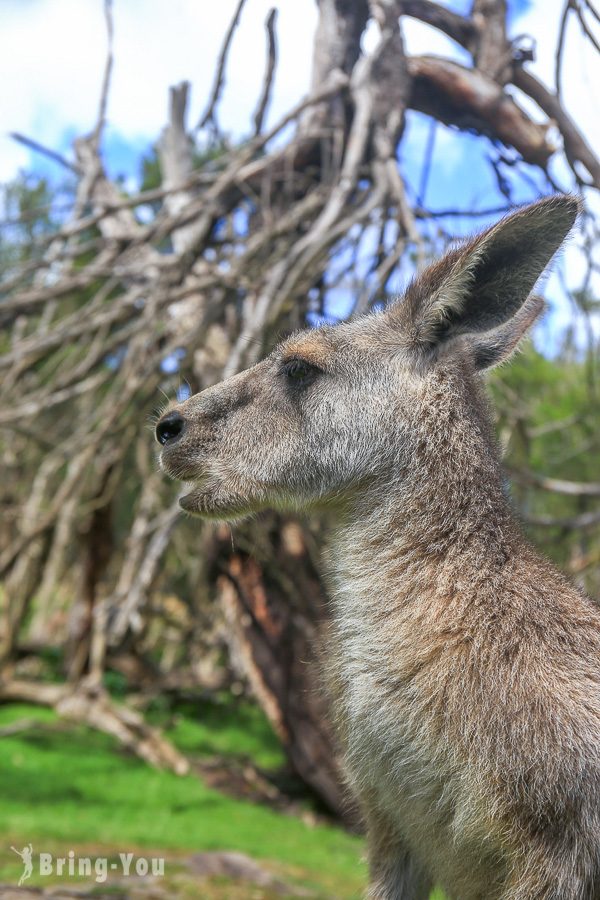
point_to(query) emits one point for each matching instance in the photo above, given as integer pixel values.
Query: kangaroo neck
(440, 520)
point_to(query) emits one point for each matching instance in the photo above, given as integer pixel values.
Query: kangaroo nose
(169, 428)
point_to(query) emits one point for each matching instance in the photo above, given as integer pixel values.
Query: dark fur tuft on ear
(478, 286)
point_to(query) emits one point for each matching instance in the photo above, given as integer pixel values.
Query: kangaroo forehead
(320, 345)
(316, 347)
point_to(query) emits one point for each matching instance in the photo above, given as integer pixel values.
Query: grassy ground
(74, 789)
(69, 788)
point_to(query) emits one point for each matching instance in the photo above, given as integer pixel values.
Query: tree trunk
(96, 552)
(277, 614)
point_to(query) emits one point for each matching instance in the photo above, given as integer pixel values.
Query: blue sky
(53, 50)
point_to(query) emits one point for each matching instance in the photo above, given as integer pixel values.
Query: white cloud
(52, 56)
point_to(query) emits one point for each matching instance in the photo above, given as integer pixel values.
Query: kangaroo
(464, 668)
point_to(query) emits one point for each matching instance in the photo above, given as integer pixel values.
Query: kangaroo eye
(299, 371)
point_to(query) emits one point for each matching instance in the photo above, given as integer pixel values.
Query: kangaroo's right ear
(480, 286)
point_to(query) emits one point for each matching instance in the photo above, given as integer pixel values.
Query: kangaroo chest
(397, 754)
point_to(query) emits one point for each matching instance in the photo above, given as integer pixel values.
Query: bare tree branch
(560, 47)
(465, 97)
(267, 87)
(211, 110)
(457, 27)
(576, 147)
(108, 66)
(558, 485)
(45, 151)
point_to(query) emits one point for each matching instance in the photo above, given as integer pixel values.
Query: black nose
(170, 428)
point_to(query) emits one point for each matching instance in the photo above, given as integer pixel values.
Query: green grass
(222, 729)
(68, 788)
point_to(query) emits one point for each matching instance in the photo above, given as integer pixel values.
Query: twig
(460, 28)
(571, 523)
(558, 485)
(487, 212)
(20, 726)
(427, 160)
(45, 151)
(92, 706)
(560, 47)
(269, 73)
(576, 147)
(101, 119)
(586, 28)
(589, 6)
(219, 82)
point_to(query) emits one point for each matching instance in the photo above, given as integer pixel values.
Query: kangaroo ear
(481, 285)
(495, 346)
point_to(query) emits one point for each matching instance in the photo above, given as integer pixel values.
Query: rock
(238, 866)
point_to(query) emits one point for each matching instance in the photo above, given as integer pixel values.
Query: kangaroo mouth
(204, 493)
(181, 469)
(197, 490)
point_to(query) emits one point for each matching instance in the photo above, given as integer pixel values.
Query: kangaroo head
(336, 408)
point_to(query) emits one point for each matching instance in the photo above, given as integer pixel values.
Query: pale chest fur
(390, 676)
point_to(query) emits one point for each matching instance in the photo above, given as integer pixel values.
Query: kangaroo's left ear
(480, 286)
(494, 347)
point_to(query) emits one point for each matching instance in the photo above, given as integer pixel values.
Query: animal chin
(207, 503)
(189, 503)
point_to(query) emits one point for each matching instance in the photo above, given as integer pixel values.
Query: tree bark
(277, 615)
